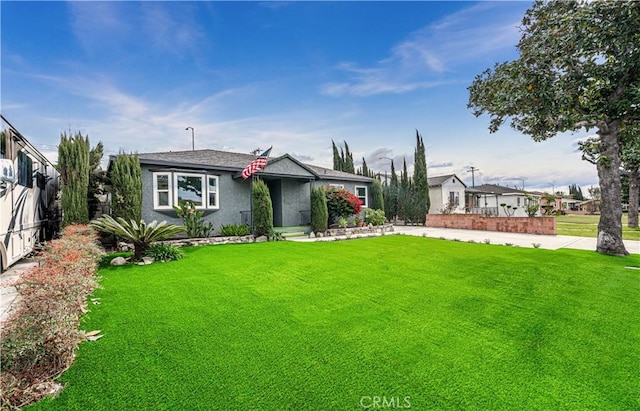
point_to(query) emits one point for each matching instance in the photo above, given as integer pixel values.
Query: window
(361, 193)
(189, 187)
(213, 192)
(454, 198)
(162, 190)
(170, 189)
(25, 170)
(518, 201)
(3, 145)
(336, 186)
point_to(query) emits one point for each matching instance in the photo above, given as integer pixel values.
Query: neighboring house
(211, 179)
(446, 194)
(487, 199)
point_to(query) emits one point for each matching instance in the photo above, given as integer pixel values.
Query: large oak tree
(579, 67)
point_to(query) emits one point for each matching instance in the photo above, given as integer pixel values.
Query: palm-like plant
(140, 234)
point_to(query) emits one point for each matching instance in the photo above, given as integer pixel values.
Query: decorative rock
(320, 235)
(118, 261)
(122, 246)
(146, 261)
(312, 235)
(261, 239)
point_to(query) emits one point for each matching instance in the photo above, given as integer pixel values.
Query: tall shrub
(319, 211)
(262, 209)
(377, 200)
(73, 163)
(126, 187)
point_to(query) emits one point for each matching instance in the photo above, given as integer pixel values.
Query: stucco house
(211, 179)
(487, 199)
(446, 194)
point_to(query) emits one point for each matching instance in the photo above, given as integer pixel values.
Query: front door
(275, 191)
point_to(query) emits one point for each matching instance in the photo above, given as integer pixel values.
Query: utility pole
(473, 175)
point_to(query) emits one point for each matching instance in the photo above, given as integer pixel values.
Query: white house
(502, 201)
(446, 194)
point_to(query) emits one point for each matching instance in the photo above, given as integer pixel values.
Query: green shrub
(140, 234)
(262, 209)
(126, 187)
(319, 211)
(235, 230)
(192, 220)
(164, 252)
(374, 217)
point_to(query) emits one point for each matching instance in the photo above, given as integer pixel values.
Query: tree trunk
(608, 165)
(634, 194)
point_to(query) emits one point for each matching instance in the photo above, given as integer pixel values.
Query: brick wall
(525, 225)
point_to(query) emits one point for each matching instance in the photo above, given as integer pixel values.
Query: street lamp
(193, 141)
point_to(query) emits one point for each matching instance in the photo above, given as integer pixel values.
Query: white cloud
(425, 57)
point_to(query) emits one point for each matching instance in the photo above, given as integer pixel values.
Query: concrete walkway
(8, 293)
(551, 242)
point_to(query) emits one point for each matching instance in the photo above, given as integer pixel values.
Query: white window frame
(169, 191)
(217, 192)
(172, 181)
(365, 202)
(178, 174)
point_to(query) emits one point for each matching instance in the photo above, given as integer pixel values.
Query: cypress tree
(337, 161)
(73, 162)
(319, 211)
(420, 186)
(391, 197)
(262, 209)
(348, 160)
(404, 195)
(377, 199)
(365, 169)
(126, 187)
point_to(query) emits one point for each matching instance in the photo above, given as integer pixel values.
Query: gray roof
(228, 161)
(495, 189)
(439, 180)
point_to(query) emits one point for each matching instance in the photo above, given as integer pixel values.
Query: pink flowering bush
(341, 203)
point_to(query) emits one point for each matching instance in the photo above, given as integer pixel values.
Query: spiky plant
(140, 234)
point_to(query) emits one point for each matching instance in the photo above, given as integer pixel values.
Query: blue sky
(294, 75)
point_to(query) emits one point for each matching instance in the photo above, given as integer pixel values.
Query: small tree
(193, 220)
(579, 67)
(97, 178)
(73, 162)
(377, 199)
(126, 187)
(140, 234)
(319, 211)
(262, 209)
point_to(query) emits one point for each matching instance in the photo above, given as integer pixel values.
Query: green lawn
(587, 226)
(329, 326)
